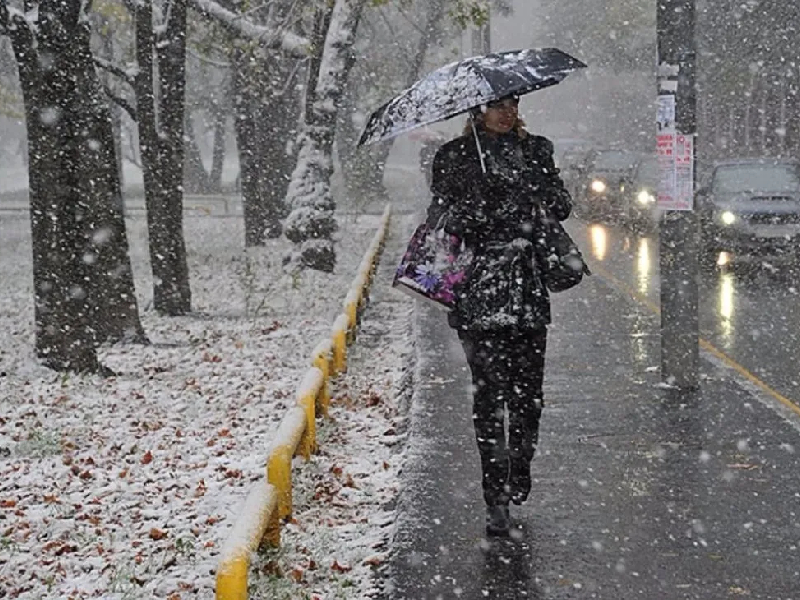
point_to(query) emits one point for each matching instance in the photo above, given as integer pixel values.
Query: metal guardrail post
(307, 400)
(339, 340)
(256, 523)
(351, 304)
(279, 462)
(270, 501)
(321, 358)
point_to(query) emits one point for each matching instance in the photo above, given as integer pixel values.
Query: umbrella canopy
(463, 85)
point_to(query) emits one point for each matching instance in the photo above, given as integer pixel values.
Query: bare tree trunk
(748, 125)
(172, 77)
(116, 111)
(782, 129)
(117, 313)
(162, 149)
(435, 16)
(196, 178)
(762, 128)
(793, 117)
(732, 134)
(277, 134)
(218, 153)
(82, 282)
(64, 338)
(267, 113)
(364, 168)
(246, 115)
(311, 223)
(774, 114)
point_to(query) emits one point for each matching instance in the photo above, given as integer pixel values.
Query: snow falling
(187, 192)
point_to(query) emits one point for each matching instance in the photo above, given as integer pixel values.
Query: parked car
(600, 194)
(641, 212)
(573, 165)
(751, 209)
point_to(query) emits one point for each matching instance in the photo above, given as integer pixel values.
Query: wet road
(749, 312)
(637, 493)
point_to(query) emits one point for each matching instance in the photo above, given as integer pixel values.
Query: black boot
(519, 480)
(497, 520)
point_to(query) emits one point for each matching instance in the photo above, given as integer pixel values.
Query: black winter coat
(499, 215)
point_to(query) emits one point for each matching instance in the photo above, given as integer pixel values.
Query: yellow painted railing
(269, 503)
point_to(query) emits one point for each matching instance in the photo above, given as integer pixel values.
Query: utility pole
(677, 76)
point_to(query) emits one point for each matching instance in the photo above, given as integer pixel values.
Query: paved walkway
(638, 493)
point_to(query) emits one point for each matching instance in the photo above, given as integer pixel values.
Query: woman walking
(494, 187)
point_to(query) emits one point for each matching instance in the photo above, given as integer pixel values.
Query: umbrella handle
(477, 142)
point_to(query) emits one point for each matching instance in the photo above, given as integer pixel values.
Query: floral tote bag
(433, 265)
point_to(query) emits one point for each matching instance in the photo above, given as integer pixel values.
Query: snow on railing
(257, 522)
(269, 502)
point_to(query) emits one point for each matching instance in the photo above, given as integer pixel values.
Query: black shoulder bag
(563, 263)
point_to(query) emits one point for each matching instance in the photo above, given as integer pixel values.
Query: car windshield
(614, 161)
(647, 173)
(745, 178)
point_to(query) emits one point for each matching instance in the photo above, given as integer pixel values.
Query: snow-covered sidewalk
(126, 487)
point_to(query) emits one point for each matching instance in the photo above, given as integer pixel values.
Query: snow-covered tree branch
(127, 76)
(287, 41)
(12, 20)
(121, 102)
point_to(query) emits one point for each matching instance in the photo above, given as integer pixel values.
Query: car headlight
(645, 197)
(728, 218)
(599, 186)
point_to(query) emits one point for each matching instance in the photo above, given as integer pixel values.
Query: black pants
(507, 371)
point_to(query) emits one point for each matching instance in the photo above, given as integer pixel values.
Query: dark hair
(481, 108)
(513, 97)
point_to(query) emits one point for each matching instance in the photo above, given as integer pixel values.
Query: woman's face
(501, 116)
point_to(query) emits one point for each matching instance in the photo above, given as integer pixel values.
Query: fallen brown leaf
(272, 568)
(340, 568)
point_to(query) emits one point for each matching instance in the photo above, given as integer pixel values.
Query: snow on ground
(126, 487)
(344, 512)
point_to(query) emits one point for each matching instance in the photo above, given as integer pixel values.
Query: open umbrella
(458, 87)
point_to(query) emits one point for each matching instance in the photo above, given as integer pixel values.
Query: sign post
(677, 129)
